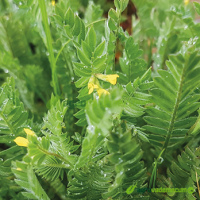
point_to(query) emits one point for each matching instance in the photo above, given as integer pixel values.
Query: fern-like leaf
(175, 100)
(94, 180)
(131, 64)
(99, 124)
(27, 179)
(53, 125)
(182, 174)
(136, 97)
(89, 184)
(51, 168)
(13, 117)
(125, 155)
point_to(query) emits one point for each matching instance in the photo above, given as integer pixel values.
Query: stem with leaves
(48, 43)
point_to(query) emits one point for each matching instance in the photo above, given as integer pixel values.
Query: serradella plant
(94, 83)
(89, 111)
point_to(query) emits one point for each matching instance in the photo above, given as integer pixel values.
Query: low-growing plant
(91, 111)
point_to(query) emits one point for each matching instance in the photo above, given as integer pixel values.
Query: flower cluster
(21, 141)
(94, 83)
(186, 2)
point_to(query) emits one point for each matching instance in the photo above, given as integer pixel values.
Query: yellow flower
(112, 78)
(186, 2)
(93, 84)
(91, 87)
(19, 169)
(21, 141)
(53, 2)
(29, 132)
(101, 91)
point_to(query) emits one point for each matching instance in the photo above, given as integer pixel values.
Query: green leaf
(77, 25)
(175, 98)
(59, 12)
(123, 4)
(82, 32)
(86, 49)
(197, 7)
(13, 117)
(99, 50)
(130, 63)
(91, 38)
(82, 186)
(101, 118)
(125, 155)
(68, 31)
(82, 82)
(181, 173)
(69, 17)
(113, 15)
(27, 179)
(51, 169)
(81, 70)
(48, 42)
(93, 12)
(53, 126)
(112, 25)
(134, 99)
(117, 4)
(83, 58)
(99, 64)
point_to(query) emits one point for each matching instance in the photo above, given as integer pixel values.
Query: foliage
(89, 110)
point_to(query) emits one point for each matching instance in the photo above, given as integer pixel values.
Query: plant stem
(154, 173)
(150, 53)
(56, 155)
(62, 50)
(172, 121)
(97, 21)
(111, 68)
(197, 184)
(48, 42)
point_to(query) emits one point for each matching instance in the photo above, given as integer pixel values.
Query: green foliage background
(145, 132)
